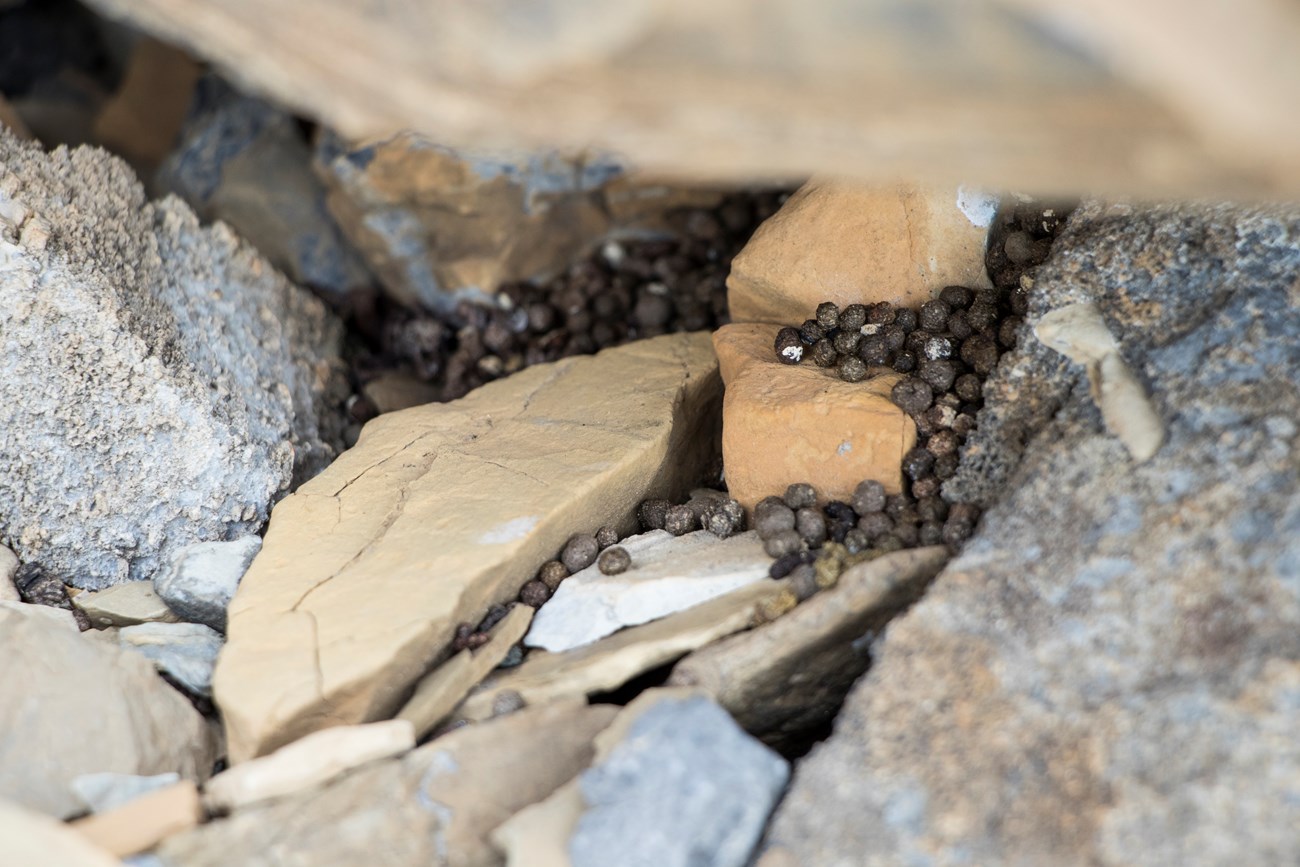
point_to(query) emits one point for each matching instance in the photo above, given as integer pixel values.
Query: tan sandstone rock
(32, 839)
(801, 423)
(124, 605)
(849, 243)
(441, 511)
(144, 822)
(141, 121)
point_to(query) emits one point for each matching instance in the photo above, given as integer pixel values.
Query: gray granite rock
(244, 161)
(199, 580)
(160, 383)
(185, 651)
(1110, 671)
(70, 706)
(686, 786)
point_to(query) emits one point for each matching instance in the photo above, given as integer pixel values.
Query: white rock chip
(107, 791)
(312, 761)
(69, 706)
(668, 574)
(124, 605)
(199, 580)
(186, 651)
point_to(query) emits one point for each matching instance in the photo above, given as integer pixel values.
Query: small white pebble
(794, 353)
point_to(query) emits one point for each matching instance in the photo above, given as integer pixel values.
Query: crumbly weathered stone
(442, 511)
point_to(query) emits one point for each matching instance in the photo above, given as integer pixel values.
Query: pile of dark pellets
(946, 350)
(625, 291)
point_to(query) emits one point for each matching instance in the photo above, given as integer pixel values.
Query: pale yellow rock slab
(441, 511)
(396, 391)
(32, 839)
(125, 605)
(613, 661)
(311, 761)
(850, 243)
(143, 822)
(438, 693)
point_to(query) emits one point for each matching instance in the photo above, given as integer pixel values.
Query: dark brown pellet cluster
(625, 291)
(39, 587)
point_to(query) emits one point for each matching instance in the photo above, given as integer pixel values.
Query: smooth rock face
(441, 511)
(435, 805)
(103, 792)
(185, 651)
(784, 679)
(853, 244)
(686, 786)
(53, 684)
(199, 580)
(1108, 672)
(31, 839)
(668, 573)
(8, 568)
(438, 225)
(243, 161)
(784, 423)
(199, 383)
(123, 605)
(144, 822)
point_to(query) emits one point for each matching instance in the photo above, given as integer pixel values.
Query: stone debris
(784, 424)
(247, 163)
(199, 580)
(1078, 332)
(397, 391)
(675, 782)
(307, 763)
(108, 791)
(186, 652)
(613, 661)
(8, 569)
(61, 617)
(789, 677)
(31, 839)
(420, 508)
(200, 386)
(434, 805)
(53, 682)
(123, 605)
(441, 690)
(898, 244)
(144, 822)
(668, 574)
(1108, 668)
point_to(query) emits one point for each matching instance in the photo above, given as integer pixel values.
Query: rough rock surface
(246, 162)
(898, 244)
(435, 805)
(685, 786)
(1110, 671)
(784, 679)
(8, 568)
(441, 511)
(160, 384)
(668, 573)
(53, 682)
(199, 580)
(784, 423)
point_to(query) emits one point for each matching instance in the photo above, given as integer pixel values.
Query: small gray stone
(199, 580)
(186, 651)
(686, 786)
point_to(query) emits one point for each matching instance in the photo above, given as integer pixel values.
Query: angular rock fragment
(31, 839)
(668, 574)
(123, 605)
(784, 424)
(200, 383)
(52, 683)
(853, 244)
(441, 511)
(144, 822)
(786, 678)
(1108, 671)
(8, 569)
(184, 651)
(434, 805)
(613, 661)
(199, 580)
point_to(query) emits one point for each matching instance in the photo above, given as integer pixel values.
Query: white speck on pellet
(794, 353)
(511, 531)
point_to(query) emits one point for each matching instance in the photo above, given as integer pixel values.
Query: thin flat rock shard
(441, 511)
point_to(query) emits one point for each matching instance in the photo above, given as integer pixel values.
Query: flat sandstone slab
(440, 511)
(787, 423)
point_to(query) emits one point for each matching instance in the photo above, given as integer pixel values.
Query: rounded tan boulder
(800, 423)
(849, 243)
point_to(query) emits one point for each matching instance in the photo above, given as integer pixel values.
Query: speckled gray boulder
(160, 383)
(1110, 672)
(685, 786)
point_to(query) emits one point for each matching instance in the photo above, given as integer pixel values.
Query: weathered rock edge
(441, 511)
